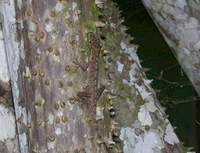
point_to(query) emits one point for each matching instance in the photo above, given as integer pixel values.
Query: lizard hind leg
(83, 66)
(100, 91)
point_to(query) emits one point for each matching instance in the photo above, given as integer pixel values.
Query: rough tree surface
(179, 22)
(8, 135)
(63, 106)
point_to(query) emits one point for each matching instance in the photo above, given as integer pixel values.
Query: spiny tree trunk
(179, 22)
(63, 106)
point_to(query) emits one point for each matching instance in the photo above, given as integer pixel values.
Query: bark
(56, 112)
(178, 21)
(8, 135)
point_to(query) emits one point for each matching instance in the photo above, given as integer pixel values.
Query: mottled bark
(178, 21)
(13, 45)
(8, 134)
(46, 59)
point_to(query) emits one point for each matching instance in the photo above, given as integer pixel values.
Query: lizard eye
(112, 112)
(103, 37)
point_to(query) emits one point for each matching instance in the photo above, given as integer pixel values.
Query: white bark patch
(143, 92)
(148, 3)
(55, 58)
(127, 135)
(123, 45)
(7, 124)
(197, 46)
(59, 7)
(51, 145)
(125, 82)
(150, 106)
(59, 113)
(170, 136)
(27, 72)
(99, 24)
(19, 3)
(131, 51)
(144, 116)
(133, 74)
(180, 3)
(4, 76)
(32, 26)
(76, 15)
(150, 142)
(192, 23)
(74, 5)
(51, 119)
(99, 3)
(147, 82)
(66, 32)
(120, 67)
(49, 27)
(58, 131)
(150, 99)
(99, 113)
(77, 38)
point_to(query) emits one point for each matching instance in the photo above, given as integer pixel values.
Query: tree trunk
(77, 82)
(178, 21)
(8, 135)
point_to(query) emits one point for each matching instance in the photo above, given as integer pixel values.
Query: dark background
(173, 89)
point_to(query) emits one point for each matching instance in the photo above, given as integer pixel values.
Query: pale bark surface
(50, 91)
(179, 22)
(8, 134)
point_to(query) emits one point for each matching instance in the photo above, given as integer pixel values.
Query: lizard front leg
(83, 66)
(100, 91)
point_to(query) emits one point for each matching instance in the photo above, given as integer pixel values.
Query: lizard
(91, 94)
(93, 69)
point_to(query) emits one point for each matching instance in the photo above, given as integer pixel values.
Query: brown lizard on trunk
(91, 94)
(93, 68)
